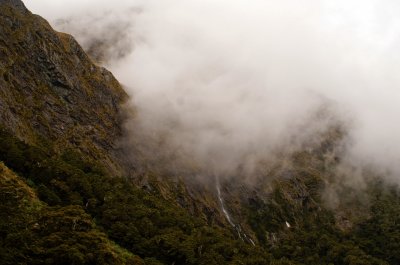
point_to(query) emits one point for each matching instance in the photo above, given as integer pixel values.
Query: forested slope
(67, 197)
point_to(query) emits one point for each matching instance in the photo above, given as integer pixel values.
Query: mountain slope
(59, 126)
(63, 200)
(51, 90)
(50, 234)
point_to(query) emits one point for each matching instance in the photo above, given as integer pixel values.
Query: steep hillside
(51, 90)
(58, 235)
(66, 197)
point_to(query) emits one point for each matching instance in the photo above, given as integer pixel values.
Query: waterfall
(228, 217)
(221, 201)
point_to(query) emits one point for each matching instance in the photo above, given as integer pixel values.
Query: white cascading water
(228, 217)
(221, 201)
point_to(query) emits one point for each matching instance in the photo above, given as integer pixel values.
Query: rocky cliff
(51, 90)
(62, 202)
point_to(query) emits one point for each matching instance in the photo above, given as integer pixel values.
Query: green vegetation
(380, 234)
(79, 212)
(316, 239)
(58, 206)
(62, 209)
(33, 233)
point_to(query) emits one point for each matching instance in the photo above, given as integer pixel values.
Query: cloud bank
(225, 83)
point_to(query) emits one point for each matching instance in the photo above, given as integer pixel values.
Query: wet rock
(46, 73)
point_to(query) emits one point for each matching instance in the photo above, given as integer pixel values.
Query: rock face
(57, 208)
(18, 4)
(50, 89)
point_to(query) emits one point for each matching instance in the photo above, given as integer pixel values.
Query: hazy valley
(218, 146)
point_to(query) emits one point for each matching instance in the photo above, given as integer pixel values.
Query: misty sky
(228, 80)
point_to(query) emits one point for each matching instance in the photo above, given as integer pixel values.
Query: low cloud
(220, 85)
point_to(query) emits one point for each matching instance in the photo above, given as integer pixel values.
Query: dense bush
(141, 222)
(79, 212)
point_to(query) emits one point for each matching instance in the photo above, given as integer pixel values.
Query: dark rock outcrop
(50, 89)
(18, 4)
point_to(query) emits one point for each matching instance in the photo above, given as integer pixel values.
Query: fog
(223, 84)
